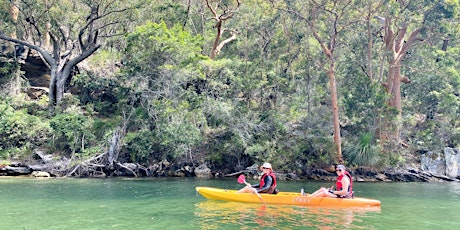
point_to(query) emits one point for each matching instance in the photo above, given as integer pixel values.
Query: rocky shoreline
(433, 167)
(202, 171)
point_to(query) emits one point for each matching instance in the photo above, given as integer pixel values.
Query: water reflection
(233, 215)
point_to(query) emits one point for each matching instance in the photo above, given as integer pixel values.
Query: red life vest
(338, 184)
(262, 182)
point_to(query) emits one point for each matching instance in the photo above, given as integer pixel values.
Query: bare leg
(247, 189)
(316, 193)
(323, 192)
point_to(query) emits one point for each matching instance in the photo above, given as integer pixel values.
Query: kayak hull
(284, 198)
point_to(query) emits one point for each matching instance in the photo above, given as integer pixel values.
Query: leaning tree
(64, 33)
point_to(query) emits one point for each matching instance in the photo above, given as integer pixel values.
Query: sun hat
(340, 167)
(267, 165)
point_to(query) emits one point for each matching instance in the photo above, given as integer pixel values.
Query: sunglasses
(264, 168)
(338, 170)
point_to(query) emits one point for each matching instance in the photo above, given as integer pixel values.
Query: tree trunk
(57, 84)
(390, 130)
(335, 114)
(214, 50)
(14, 12)
(52, 89)
(114, 148)
(394, 87)
(328, 49)
(397, 44)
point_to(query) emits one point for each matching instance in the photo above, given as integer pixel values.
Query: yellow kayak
(285, 198)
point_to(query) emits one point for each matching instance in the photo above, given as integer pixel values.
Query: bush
(71, 132)
(20, 131)
(363, 151)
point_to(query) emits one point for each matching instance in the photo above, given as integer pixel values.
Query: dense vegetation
(233, 82)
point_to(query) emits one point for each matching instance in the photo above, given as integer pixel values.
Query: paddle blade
(241, 179)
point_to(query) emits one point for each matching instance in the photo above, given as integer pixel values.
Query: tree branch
(42, 52)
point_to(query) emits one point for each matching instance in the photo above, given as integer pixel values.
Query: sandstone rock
(203, 171)
(41, 174)
(17, 170)
(452, 161)
(381, 177)
(441, 163)
(433, 162)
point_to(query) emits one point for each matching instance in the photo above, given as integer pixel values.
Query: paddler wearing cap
(343, 186)
(267, 182)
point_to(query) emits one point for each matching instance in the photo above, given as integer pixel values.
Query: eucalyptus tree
(75, 29)
(431, 101)
(406, 25)
(426, 34)
(327, 20)
(222, 10)
(278, 54)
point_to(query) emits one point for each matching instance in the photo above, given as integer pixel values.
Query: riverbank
(431, 167)
(166, 169)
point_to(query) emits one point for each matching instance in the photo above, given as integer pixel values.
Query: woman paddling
(343, 185)
(267, 182)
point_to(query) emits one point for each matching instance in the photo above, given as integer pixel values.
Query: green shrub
(140, 145)
(363, 151)
(71, 132)
(20, 131)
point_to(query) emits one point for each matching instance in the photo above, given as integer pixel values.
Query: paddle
(242, 180)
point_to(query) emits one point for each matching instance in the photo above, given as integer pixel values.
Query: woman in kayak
(267, 182)
(343, 185)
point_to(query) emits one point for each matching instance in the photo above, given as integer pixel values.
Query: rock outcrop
(442, 164)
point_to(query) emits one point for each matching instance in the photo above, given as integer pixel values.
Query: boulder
(19, 170)
(452, 161)
(41, 174)
(433, 162)
(441, 164)
(203, 171)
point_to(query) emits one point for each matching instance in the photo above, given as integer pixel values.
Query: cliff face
(38, 74)
(35, 70)
(32, 66)
(443, 163)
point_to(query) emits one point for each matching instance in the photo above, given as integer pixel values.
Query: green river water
(173, 203)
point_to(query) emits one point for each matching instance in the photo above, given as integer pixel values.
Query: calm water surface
(162, 203)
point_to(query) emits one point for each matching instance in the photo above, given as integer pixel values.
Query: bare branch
(212, 10)
(42, 52)
(228, 40)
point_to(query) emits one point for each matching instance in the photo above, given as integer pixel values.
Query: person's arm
(268, 181)
(345, 185)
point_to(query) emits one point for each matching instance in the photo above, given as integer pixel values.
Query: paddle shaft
(255, 192)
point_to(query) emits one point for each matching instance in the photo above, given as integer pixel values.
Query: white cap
(341, 167)
(267, 165)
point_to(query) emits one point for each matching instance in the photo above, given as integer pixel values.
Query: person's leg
(247, 189)
(329, 194)
(316, 193)
(323, 192)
